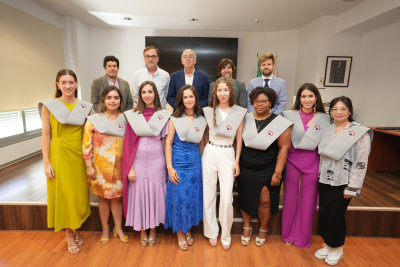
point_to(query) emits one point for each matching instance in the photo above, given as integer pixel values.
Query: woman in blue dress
(184, 146)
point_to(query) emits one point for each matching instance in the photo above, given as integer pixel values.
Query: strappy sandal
(288, 243)
(79, 240)
(104, 240)
(72, 249)
(152, 241)
(181, 244)
(260, 241)
(213, 242)
(189, 239)
(246, 240)
(125, 239)
(227, 247)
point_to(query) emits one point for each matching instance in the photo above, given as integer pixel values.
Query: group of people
(156, 167)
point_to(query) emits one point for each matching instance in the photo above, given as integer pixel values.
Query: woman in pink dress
(144, 166)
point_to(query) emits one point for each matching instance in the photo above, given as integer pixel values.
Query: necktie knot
(266, 83)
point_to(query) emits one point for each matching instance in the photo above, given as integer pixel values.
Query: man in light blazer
(190, 76)
(111, 66)
(267, 66)
(226, 68)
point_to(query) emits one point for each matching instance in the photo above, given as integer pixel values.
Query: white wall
(378, 94)
(15, 151)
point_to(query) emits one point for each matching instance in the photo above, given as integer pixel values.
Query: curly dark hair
(110, 58)
(180, 107)
(270, 93)
(347, 102)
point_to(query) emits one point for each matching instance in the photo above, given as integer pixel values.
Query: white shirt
(219, 139)
(189, 78)
(161, 79)
(269, 82)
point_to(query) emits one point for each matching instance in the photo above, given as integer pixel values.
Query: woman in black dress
(260, 178)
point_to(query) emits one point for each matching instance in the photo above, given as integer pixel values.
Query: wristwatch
(278, 176)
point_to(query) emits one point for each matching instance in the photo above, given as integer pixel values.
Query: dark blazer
(240, 93)
(200, 82)
(98, 86)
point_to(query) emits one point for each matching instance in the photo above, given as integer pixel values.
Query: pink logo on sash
(317, 128)
(351, 133)
(196, 129)
(160, 117)
(120, 126)
(228, 128)
(270, 133)
(83, 106)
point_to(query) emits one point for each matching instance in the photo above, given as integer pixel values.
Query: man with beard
(111, 66)
(267, 66)
(226, 68)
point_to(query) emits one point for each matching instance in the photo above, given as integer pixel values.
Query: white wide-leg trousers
(217, 163)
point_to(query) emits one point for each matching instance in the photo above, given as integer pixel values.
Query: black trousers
(332, 211)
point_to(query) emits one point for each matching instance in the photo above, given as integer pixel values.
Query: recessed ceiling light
(348, 1)
(127, 18)
(193, 19)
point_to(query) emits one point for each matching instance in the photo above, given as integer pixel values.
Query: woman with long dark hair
(68, 202)
(103, 143)
(310, 122)
(344, 151)
(184, 146)
(144, 167)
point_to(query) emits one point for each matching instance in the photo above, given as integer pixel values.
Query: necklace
(189, 114)
(67, 101)
(259, 125)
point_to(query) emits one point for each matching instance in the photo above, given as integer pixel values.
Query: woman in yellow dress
(63, 117)
(103, 144)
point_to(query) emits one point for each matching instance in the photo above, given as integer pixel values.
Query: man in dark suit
(226, 68)
(111, 66)
(188, 76)
(339, 73)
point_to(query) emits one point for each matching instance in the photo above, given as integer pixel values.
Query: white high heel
(246, 240)
(260, 241)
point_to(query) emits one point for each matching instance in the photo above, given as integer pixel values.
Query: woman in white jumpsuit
(225, 122)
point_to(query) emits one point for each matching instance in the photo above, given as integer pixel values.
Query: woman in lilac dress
(145, 168)
(298, 213)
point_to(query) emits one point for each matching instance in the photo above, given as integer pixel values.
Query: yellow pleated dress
(68, 201)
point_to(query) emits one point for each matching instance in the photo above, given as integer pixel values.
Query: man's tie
(266, 83)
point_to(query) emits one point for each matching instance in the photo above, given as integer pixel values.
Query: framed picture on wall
(337, 72)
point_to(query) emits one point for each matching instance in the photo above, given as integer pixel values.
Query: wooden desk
(385, 151)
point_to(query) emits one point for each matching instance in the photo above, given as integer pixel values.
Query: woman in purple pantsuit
(298, 213)
(145, 167)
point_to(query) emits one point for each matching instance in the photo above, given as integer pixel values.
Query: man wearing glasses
(152, 73)
(190, 76)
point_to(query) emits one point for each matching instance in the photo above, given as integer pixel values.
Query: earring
(301, 106)
(270, 110)
(315, 107)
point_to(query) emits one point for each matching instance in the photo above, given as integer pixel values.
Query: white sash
(190, 132)
(77, 116)
(335, 147)
(151, 128)
(307, 140)
(105, 126)
(267, 136)
(227, 127)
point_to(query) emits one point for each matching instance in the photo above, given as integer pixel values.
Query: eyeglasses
(150, 57)
(188, 56)
(262, 102)
(336, 110)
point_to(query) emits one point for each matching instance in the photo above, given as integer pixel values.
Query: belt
(224, 146)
